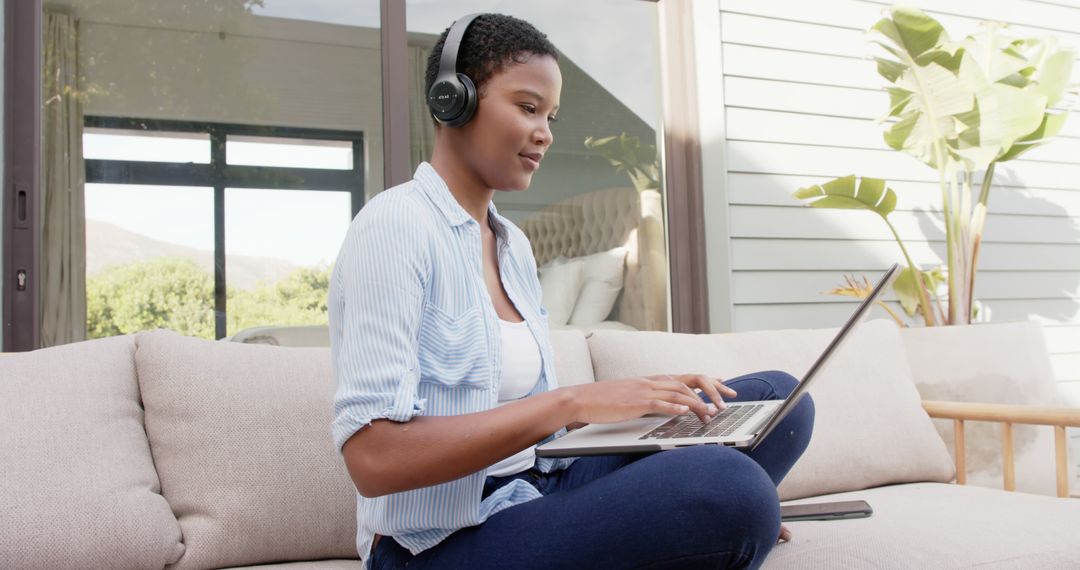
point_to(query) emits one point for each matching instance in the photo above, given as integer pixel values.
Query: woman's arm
(390, 457)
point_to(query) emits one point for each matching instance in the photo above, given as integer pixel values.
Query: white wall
(799, 99)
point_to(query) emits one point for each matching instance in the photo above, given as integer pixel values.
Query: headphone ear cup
(445, 100)
(471, 99)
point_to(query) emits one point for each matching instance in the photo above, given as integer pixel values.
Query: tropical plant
(961, 108)
(628, 155)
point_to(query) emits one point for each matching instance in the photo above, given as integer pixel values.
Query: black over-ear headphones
(453, 98)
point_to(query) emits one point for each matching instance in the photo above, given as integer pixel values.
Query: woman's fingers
(691, 402)
(714, 389)
(666, 407)
(725, 389)
(680, 385)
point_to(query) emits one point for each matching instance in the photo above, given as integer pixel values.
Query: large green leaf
(1049, 128)
(992, 51)
(1050, 67)
(927, 89)
(1002, 113)
(976, 99)
(911, 30)
(907, 291)
(842, 193)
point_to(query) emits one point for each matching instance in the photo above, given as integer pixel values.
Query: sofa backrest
(78, 487)
(573, 365)
(870, 427)
(112, 448)
(241, 441)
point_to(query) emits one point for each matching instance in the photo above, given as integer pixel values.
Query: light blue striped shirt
(413, 331)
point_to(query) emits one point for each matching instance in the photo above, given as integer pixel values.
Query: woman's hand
(611, 401)
(785, 534)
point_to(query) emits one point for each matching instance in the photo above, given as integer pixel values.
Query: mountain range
(108, 244)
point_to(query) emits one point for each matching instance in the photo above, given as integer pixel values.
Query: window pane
(180, 65)
(296, 153)
(579, 205)
(279, 245)
(149, 259)
(117, 144)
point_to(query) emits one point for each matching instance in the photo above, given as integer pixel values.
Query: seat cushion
(78, 487)
(339, 564)
(241, 438)
(870, 428)
(934, 525)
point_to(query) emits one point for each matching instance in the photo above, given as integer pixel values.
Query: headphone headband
(448, 59)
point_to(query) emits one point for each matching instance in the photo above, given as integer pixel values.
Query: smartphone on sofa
(826, 511)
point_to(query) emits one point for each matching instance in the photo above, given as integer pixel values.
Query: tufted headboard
(604, 219)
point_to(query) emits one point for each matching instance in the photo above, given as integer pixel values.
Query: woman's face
(511, 131)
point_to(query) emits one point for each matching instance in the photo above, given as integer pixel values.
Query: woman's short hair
(491, 42)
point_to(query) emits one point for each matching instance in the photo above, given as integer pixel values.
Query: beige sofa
(159, 450)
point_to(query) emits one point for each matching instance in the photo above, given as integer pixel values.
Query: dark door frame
(21, 238)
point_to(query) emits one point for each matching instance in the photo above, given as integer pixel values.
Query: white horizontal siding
(801, 100)
(763, 287)
(812, 160)
(828, 100)
(762, 189)
(765, 254)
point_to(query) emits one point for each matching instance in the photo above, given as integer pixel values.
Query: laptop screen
(837, 341)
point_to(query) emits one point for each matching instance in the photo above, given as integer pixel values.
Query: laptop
(741, 424)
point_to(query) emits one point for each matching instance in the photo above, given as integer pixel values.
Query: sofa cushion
(240, 436)
(338, 564)
(933, 525)
(870, 428)
(572, 362)
(78, 488)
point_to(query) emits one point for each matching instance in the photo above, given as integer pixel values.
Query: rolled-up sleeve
(376, 305)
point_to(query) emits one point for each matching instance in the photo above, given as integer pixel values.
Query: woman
(445, 376)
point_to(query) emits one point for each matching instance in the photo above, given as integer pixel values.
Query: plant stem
(977, 226)
(948, 228)
(892, 314)
(924, 299)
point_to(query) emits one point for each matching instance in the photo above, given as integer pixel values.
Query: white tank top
(520, 372)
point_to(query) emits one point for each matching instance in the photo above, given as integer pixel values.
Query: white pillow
(602, 281)
(560, 283)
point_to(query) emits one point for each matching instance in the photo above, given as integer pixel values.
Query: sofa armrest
(1007, 415)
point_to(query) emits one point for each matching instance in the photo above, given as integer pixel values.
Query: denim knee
(737, 501)
(782, 382)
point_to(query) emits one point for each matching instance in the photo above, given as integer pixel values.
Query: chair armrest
(1007, 415)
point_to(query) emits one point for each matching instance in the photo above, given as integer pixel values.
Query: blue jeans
(705, 506)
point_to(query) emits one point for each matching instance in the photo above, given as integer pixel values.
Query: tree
(164, 292)
(176, 294)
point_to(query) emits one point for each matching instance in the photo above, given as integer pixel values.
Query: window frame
(681, 139)
(220, 175)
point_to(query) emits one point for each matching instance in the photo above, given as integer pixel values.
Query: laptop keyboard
(689, 425)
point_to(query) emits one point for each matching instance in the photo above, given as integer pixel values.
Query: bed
(600, 221)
